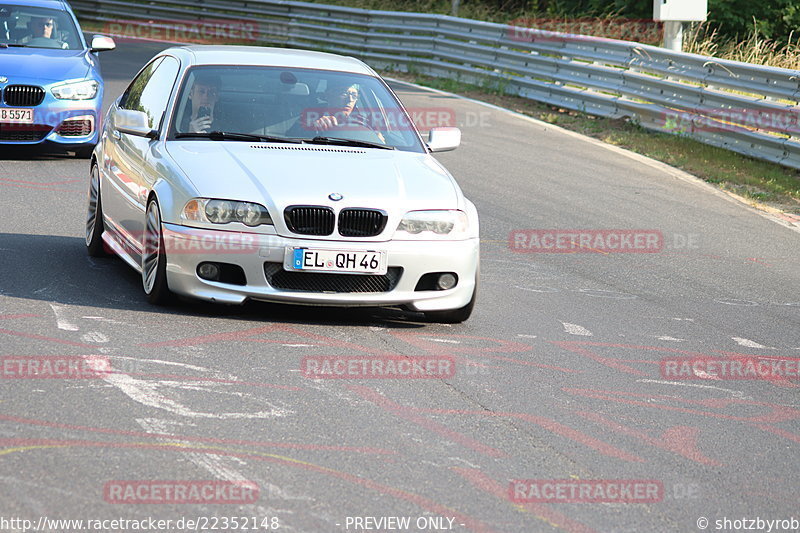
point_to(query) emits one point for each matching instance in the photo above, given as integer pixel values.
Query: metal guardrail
(750, 109)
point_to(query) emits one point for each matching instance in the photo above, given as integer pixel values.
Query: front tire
(154, 258)
(454, 316)
(94, 217)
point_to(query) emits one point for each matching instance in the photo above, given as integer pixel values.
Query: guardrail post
(673, 35)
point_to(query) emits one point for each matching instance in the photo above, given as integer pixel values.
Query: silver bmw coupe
(231, 173)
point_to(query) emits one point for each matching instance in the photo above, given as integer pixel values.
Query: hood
(42, 65)
(279, 175)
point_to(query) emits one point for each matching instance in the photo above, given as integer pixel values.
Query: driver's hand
(326, 122)
(200, 125)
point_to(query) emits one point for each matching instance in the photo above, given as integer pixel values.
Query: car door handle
(116, 134)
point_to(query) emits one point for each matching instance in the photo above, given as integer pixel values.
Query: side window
(133, 94)
(150, 91)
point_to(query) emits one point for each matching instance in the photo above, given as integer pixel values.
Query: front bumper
(187, 247)
(53, 120)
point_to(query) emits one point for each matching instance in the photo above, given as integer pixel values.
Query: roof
(52, 4)
(267, 56)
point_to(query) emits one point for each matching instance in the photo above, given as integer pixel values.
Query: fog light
(208, 271)
(446, 281)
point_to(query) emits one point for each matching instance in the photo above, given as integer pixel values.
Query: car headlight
(76, 90)
(225, 211)
(433, 225)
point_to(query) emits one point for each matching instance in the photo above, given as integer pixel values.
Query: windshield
(37, 27)
(292, 103)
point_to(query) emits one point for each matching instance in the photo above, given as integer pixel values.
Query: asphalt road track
(557, 373)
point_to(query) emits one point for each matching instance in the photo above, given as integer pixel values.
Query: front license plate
(321, 260)
(16, 116)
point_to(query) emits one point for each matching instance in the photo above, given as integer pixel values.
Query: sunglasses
(208, 91)
(45, 24)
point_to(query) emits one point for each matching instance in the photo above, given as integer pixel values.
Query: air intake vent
(309, 219)
(286, 280)
(75, 127)
(361, 222)
(307, 148)
(23, 95)
(24, 132)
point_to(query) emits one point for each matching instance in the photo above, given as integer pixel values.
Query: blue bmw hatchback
(52, 91)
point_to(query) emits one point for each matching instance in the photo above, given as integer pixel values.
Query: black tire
(95, 246)
(454, 316)
(154, 258)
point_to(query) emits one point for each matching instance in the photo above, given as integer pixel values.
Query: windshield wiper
(347, 142)
(6, 45)
(233, 136)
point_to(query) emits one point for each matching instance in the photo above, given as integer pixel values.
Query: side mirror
(444, 139)
(134, 123)
(101, 43)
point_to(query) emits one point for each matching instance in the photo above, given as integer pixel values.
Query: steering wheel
(44, 42)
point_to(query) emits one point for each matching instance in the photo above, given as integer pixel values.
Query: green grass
(761, 182)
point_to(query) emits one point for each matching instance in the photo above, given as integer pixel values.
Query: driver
(203, 99)
(41, 28)
(341, 100)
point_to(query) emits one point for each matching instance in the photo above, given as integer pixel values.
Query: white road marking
(446, 341)
(376, 328)
(299, 345)
(219, 466)
(668, 338)
(526, 336)
(146, 393)
(747, 343)
(158, 361)
(704, 375)
(94, 336)
(103, 319)
(537, 289)
(61, 320)
(735, 393)
(575, 329)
